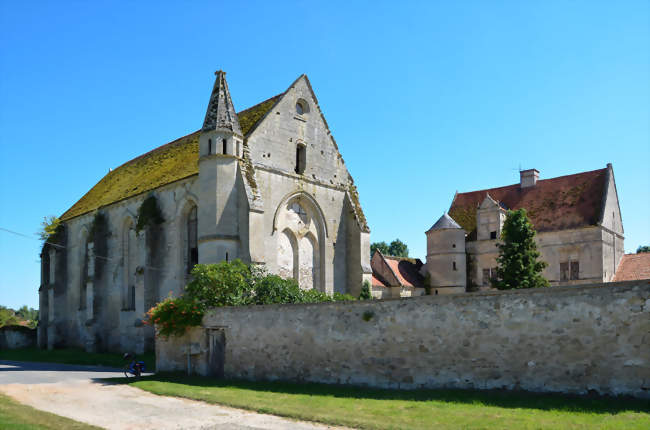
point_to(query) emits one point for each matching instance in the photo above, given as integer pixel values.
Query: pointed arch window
(192, 240)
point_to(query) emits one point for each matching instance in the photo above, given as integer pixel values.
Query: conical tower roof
(444, 222)
(221, 112)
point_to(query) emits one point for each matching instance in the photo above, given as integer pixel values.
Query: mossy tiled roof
(166, 164)
(560, 203)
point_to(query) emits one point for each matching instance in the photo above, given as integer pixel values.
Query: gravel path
(75, 392)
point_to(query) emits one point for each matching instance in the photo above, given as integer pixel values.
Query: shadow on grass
(499, 398)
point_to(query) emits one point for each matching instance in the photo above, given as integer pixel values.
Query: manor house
(266, 185)
(577, 219)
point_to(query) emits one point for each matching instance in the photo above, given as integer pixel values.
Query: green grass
(15, 416)
(417, 409)
(74, 356)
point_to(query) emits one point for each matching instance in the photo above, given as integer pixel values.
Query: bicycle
(134, 369)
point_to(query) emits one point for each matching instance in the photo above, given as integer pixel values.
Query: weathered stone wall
(568, 339)
(13, 337)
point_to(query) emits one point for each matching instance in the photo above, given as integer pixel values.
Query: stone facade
(578, 221)
(568, 339)
(273, 190)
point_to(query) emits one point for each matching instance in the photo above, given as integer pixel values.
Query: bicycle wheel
(127, 372)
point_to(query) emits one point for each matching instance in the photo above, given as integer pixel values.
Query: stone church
(577, 218)
(267, 185)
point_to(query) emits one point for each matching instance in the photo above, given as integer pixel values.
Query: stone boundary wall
(560, 339)
(14, 337)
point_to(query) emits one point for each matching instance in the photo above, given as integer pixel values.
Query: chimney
(528, 178)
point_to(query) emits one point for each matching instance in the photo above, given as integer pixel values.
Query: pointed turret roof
(221, 112)
(445, 221)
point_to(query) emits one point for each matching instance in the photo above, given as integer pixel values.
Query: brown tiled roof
(552, 204)
(376, 282)
(633, 267)
(407, 270)
(161, 166)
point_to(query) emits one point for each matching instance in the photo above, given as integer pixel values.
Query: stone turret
(446, 257)
(220, 149)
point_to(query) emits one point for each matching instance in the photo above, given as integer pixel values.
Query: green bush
(174, 315)
(274, 289)
(365, 291)
(221, 284)
(229, 284)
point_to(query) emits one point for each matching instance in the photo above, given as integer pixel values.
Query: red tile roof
(633, 267)
(407, 270)
(376, 282)
(552, 204)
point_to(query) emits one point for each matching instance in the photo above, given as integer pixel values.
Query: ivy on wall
(149, 214)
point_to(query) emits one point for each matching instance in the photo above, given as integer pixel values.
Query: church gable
(294, 138)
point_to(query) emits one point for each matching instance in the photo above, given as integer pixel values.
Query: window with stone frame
(489, 274)
(486, 277)
(564, 271)
(192, 240)
(301, 158)
(575, 270)
(569, 270)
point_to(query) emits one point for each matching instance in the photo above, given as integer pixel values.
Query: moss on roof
(249, 117)
(166, 164)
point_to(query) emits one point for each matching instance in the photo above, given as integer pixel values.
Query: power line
(64, 247)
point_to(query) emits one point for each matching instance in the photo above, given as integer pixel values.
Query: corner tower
(220, 148)
(446, 257)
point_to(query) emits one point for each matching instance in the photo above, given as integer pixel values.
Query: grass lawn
(418, 409)
(74, 356)
(15, 416)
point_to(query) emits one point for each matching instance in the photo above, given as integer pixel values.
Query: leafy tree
(365, 291)
(28, 314)
(643, 248)
(398, 249)
(381, 246)
(518, 265)
(7, 317)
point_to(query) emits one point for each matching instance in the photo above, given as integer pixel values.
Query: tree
(398, 249)
(28, 314)
(518, 264)
(643, 248)
(381, 246)
(7, 317)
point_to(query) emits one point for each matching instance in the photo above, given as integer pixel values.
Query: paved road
(83, 394)
(18, 372)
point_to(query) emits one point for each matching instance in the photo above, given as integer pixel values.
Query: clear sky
(423, 98)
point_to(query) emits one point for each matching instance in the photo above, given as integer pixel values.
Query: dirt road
(75, 392)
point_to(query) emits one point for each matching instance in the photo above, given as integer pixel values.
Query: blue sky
(423, 98)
